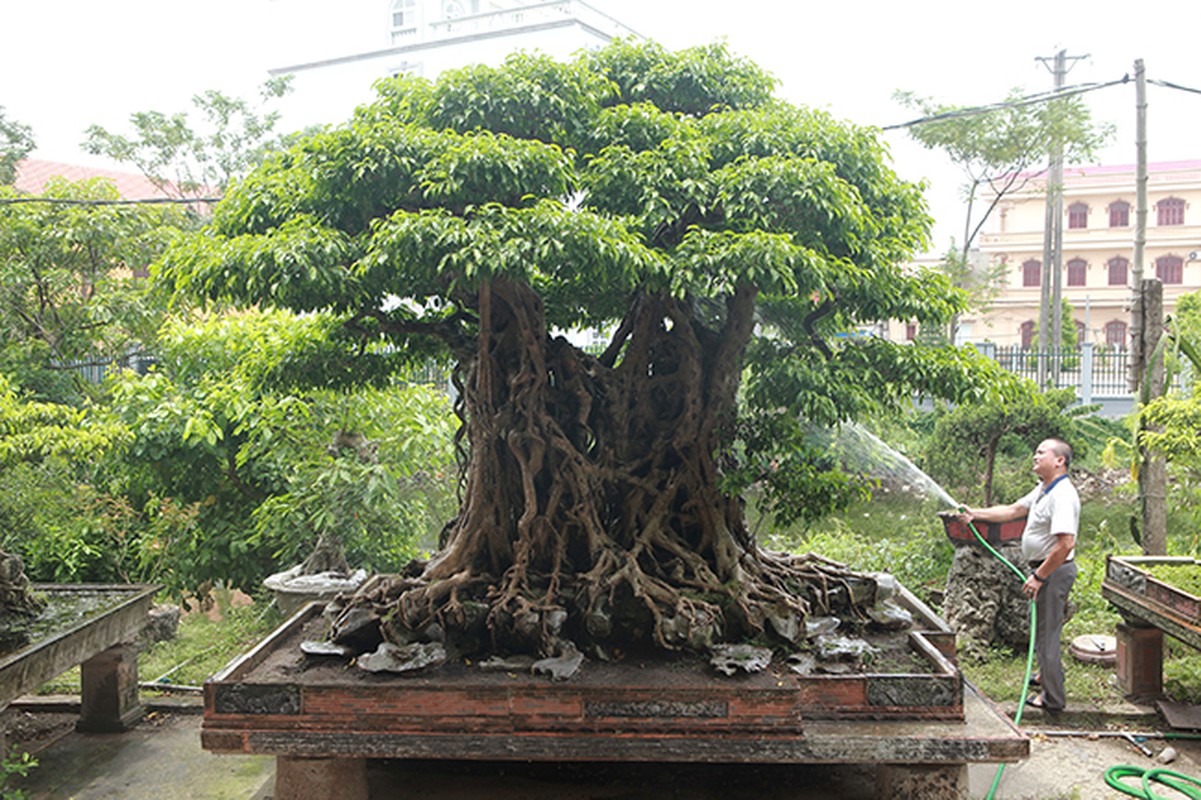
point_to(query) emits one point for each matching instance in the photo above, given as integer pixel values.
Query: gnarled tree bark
(592, 508)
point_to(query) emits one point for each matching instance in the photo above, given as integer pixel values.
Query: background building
(427, 37)
(1098, 237)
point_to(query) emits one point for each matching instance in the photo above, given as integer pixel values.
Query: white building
(427, 37)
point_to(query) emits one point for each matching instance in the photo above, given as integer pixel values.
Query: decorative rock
(788, 626)
(890, 616)
(510, 664)
(842, 648)
(598, 623)
(802, 663)
(695, 631)
(554, 620)
(562, 666)
(389, 657)
(730, 658)
(816, 626)
(315, 648)
(528, 625)
(15, 593)
(358, 628)
(984, 605)
(886, 586)
(162, 623)
(293, 589)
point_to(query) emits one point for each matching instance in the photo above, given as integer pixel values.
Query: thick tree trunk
(592, 508)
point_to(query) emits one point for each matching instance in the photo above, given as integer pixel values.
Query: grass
(204, 644)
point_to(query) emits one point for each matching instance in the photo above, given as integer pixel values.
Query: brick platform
(325, 717)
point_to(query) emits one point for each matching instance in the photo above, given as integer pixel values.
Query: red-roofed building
(33, 173)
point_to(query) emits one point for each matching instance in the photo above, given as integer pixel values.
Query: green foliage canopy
(627, 173)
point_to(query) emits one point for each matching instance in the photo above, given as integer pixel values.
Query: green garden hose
(1017, 718)
(1178, 781)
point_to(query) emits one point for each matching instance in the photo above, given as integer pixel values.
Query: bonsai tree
(723, 241)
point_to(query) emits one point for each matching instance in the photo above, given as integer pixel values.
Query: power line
(1040, 97)
(63, 201)
(1170, 85)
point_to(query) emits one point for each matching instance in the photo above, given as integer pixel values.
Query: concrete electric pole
(1050, 315)
(1146, 329)
(1139, 344)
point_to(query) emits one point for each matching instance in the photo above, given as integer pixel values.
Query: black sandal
(1037, 701)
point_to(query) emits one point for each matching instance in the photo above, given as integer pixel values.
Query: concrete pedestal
(1140, 660)
(922, 781)
(320, 778)
(109, 693)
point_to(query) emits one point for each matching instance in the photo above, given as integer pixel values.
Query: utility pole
(1139, 344)
(1050, 315)
(1153, 473)
(1146, 329)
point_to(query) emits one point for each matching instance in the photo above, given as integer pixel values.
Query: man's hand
(1031, 586)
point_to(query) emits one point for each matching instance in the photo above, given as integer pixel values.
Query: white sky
(67, 64)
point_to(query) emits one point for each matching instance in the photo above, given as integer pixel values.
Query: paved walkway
(161, 758)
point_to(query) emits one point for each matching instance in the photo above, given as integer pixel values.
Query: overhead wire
(66, 201)
(1170, 85)
(1028, 100)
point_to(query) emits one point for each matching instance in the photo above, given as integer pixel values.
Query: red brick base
(1140, 661)
(320, 778)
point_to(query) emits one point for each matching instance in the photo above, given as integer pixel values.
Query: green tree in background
(184, 154)
(230, 423)
(981, 428)
(71, 291)
(16, 140)
(42, 448)
(727, 239)
(999, 151)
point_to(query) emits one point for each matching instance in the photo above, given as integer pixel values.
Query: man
(1048, 546)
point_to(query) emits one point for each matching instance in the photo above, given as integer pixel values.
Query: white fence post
(1086, 373)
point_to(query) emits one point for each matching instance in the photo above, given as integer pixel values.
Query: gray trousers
(1050, 605)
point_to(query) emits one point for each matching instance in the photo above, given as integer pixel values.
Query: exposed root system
(592, 511)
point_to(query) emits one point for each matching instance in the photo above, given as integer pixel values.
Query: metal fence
(1098, 373)
(96, 371)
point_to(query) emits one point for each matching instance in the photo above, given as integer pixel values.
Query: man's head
(1052, 458)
